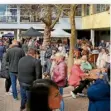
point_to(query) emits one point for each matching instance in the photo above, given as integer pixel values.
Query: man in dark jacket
(13, 56)
(2, 50)
(47, 64)
(29, 69)
(4, 73)
(102, 43)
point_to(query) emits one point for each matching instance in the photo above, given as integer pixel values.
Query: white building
(14, 18)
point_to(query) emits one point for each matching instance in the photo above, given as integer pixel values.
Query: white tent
(59, 33)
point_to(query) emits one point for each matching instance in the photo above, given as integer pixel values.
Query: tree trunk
(47, 34)
(72, 38)
(47, 30)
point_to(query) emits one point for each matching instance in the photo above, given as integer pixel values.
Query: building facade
(92, 21)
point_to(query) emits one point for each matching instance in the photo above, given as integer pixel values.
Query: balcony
(27, 21)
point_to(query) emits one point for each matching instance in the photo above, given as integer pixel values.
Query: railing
(8, 19)
(28, 19)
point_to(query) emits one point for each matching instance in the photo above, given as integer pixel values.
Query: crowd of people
(42, 73)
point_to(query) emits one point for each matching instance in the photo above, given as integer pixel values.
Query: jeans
(62, 102)
(47, 66)
(25, 94)
(7, 84)
(13, 78)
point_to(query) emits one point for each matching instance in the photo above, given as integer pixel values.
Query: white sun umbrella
(59, 33)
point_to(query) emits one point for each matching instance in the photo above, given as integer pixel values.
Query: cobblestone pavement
(7, 103)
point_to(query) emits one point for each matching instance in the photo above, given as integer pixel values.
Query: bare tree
(71, 13)
(48, 14)
(73, 36)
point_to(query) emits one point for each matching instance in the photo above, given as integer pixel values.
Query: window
(65, 12)
(87, 9)
(12, 6)
(101, 8)
(8, 13)
(2, 9)
(27, 16)
(79, 10)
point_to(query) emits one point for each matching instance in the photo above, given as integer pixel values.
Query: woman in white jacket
(102, 59)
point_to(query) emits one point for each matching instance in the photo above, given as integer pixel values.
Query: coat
(25, 47)
(86, 66)
(48, 53)
(13, 56)
(76, 75)
(60, 74)
(2, 50)
(99, 96)
(101, 60)
(4, 73)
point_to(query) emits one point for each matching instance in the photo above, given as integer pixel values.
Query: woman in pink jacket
(77, 79)
(60, 74)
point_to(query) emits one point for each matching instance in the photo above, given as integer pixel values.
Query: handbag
(46, 76)
(4, 74)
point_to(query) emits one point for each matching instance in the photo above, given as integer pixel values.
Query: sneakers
(16, 98)
(73, 95)
(8, 93)
(22, 109)
(81, 94)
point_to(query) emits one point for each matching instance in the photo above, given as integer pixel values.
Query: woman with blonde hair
(60, 74)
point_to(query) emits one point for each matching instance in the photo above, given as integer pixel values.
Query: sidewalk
(7, 103)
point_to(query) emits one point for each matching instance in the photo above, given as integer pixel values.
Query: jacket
(60, 74)
(2, 50)
(25, 47)
(13, 56)
(101, 60)
(86, 66)
(4, 65)
(99, 96)
(4, 73)
(29, 69)
(76, 75)
(48, 53)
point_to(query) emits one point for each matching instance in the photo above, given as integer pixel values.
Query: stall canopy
(32, 33)
(59, 33)
(8, 35)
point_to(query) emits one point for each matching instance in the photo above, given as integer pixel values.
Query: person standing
(25, 46)
(2, 50)
(102, 59)
(102, 44)
(13, 56)
(47, 64)
(60, 74)
(29, 69)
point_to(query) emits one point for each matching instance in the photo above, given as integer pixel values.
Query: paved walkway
(7, 103)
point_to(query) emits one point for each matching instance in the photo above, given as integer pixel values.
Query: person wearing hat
(29, 69)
